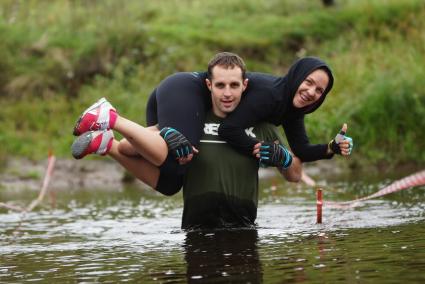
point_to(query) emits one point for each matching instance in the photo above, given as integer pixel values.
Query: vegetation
(57, 57)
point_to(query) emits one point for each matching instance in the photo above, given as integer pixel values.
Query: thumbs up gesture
(341, 144)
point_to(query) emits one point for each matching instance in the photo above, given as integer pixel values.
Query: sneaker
(99, 116)
(97, 142)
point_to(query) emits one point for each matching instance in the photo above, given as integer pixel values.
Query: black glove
(334, 144)
(177, 144)
(334, 147)
(274, 154)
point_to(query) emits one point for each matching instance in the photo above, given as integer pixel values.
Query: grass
(58, 57)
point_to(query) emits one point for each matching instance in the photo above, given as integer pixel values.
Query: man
(221, 184)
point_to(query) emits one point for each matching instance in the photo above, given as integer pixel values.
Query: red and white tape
(405, 183)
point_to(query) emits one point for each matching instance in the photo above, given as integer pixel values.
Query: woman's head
(309, 80)
(311, 89)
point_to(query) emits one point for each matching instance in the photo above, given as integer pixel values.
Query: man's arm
(293, 172)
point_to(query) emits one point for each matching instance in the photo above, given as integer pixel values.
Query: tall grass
(57, 57)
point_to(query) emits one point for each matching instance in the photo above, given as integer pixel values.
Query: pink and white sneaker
(99, 116)
(92, 142)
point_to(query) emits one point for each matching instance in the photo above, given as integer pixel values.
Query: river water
(94, 235)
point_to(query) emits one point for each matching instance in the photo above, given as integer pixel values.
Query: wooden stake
(319, 203)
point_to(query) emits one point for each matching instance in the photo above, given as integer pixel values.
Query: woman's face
(311, 89)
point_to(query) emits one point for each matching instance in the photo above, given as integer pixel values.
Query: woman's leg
(136, 165)
(146, 141)
(180, 102)
(165, 179)
(94, 138)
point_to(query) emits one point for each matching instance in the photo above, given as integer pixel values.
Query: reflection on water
(217, 254)
(97, 236)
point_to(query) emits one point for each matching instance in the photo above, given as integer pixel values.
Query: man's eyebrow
(230, 83)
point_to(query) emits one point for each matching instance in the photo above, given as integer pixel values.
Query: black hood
(298, 73)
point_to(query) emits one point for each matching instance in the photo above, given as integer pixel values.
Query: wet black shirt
(221, 185)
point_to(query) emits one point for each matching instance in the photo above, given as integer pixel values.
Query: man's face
(226, 88)
(311, 89)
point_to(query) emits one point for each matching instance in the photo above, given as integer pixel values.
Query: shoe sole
(93, 106)
(80, 145)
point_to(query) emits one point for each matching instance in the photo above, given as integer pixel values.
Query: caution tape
(405, 183)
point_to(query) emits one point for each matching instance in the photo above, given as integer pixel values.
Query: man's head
(227, 60)
(226, 81)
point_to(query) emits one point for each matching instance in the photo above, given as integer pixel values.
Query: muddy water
(94, 236)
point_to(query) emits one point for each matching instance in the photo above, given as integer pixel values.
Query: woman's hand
(187, 159)
(273, 154)
(341, 144)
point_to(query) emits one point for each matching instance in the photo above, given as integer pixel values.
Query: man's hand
(273, 154)
(177, 144)
(341, 144)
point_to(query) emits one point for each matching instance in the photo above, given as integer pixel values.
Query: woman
(179, 102)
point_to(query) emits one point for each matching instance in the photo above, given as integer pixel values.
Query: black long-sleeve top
(269, 98)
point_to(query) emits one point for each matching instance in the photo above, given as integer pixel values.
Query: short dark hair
(226, 60)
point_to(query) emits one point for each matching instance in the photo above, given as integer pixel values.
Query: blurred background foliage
(58, 57)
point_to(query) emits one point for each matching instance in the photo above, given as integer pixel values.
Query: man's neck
(219, 113)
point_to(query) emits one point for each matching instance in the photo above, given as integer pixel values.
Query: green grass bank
(57, 57)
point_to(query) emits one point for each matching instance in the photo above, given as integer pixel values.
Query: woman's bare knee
(125, 148)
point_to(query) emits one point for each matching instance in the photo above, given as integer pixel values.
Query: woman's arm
(250, 111)
(300, 144)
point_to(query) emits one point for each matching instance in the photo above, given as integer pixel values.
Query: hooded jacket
(269, 98)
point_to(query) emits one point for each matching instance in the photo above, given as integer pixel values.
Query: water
(97, 236)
